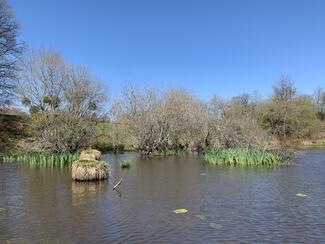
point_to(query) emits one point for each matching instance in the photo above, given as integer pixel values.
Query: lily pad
(200, 216)
(215, 226)
(301, 195)
(180, 211)
(2, 210)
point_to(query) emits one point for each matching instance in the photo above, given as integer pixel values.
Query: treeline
(68, 109)
(175, 119)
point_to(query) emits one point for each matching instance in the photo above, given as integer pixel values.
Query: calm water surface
(43, 205)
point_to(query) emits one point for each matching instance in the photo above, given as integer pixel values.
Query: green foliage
(13, 128)
(109, 140)
(52, 101)
(244, 157)
(103, 147)
(125, 164)
(180, 211)
(104, 134)
(92, 106)
(298, 121)
(26, 101)
(34, 109)
(42, 159)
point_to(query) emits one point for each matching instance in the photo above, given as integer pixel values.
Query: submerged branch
(118, 183)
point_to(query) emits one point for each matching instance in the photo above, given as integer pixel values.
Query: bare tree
(83, 95)
(10, 49)
(235, 123)
(284, 93)
(187, 120)
(145, 117)
(42, 80)
(64, 101)
(319, 99)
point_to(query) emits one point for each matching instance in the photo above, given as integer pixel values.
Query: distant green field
(105, 139)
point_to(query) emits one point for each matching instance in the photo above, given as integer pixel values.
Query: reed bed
(244, 157)
(43, 159)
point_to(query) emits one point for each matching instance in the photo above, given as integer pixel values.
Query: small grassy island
(88, 167)
(85, 170)
(90, 154)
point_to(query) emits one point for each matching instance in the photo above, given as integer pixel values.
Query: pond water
(224, 204)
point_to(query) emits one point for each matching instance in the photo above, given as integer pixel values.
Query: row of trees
(174, 119)
(66, 102)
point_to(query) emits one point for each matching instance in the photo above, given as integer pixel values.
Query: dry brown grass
(85, 170)
(90, 154)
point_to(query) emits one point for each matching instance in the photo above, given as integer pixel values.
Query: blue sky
(223, 47)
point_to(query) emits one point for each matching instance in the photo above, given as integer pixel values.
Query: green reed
(244, 157)
(42, 159)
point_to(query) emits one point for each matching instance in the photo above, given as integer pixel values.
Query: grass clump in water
(91, 164)
(42, 159)
(244, 157)
(85, 170)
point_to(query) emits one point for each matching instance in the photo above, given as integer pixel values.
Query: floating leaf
(301, 195)
(215, 226)
(2, 210)
(180, 211)
(200, 216)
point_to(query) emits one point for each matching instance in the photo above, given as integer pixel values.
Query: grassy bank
(244, 157)
(313, 143)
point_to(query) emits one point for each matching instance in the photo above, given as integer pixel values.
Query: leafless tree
(42, 80)
(83, 95)
(187, 120)
(64, 101)
(235, 123)
(283, 94)
(10, 50)
(319, 99)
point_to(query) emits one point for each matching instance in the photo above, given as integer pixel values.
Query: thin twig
(118, 183)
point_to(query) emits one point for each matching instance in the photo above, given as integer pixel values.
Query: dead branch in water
(118, 183)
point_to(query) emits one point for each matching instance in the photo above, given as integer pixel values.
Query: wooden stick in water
(118, 183)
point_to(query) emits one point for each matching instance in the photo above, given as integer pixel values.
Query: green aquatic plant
(301, 195)
(215, 226)
(42, 159)
(244, 157)
(180, 211)
(125, 164)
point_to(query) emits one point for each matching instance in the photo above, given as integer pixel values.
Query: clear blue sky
(223, 47)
